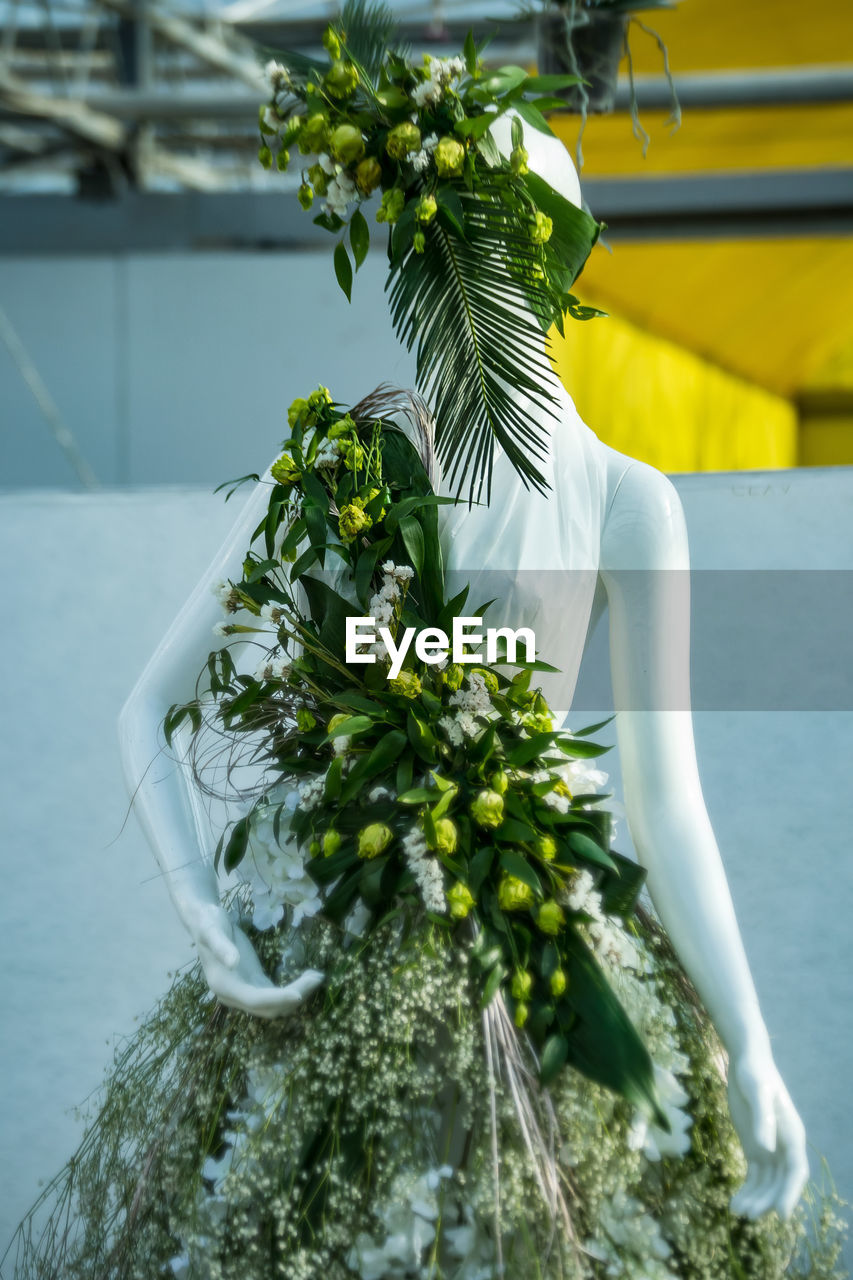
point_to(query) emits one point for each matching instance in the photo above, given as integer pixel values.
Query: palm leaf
(477, 313)
(368, 31)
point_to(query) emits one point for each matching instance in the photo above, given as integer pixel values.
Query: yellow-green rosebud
(331, 43)
(284, 470)
(460, 900)
(522, 984)
(426, 209)
(558, 982)
(265, 156)
(353, 455)
(419, 242)
(341, 427)
(445, 835)
(514, 894)
(305, 720)
(449, 156)
(297, 408)
(305, 196)
(331, 842)
(374, 839)
(319, 398)
(487, 809)
(522, 1012)
(313, 134)
(546, 847)
(402, 139)
(341, 78)
(314, 848)
(282, 160)
(542, 227)
(353, 519)
(499, 782)
(346, 144)
(488, 677)
(518, 158)
(392, 205)
(551, 917)
(407, 683)
(368, 174)
(318, 179)
(453, 676)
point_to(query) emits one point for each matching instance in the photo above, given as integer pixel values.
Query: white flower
(420, 161)
(327, 164)
(583, 896)
(221, 629)
(341, 190)
(428, 91)
(430, 143)
(378, 794)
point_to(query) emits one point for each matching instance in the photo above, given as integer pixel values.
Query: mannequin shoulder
(644, 525)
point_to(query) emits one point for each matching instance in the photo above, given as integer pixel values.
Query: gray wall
(178, 368)
(87, 936)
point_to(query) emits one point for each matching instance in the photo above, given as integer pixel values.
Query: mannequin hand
(233, 970)
(772, 1135)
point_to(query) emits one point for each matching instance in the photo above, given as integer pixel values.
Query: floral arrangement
(443, 789)
(483, 252)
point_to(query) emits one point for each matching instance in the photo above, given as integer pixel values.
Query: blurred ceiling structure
(131, 124)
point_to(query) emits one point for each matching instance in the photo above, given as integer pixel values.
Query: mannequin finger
(219, 945)
(760, 1098)
(793, 1183)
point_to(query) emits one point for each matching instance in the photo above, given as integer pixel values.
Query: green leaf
(329, 221)
(343, 269)
(502, 81)
(473, 126)
(479, 867)
(413, 540)
(493, 981)
(619, 897)
(334, 774)
(583, 847)
(554, 1054)
(469, 53)
(352, 725)
(359, 235)
(235, 849)
(550, 84)
(421, 737)
(416, 795)
(393, 98)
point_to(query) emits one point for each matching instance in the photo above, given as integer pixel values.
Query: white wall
(87, 937)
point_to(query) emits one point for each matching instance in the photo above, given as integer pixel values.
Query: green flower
(313, 134)
(460, 900)
(546, 847)
(319, 179)
(419, 242)
(331, 842)
(514, 894)
(305, 720)
(341, 427)
(305, 196)
(392, 205)
(518, 158)
(341, 78)
(331, 43)
(521, 1014)
(446, 835)
(265, 156)
(559, 982)
(499, 782)
(282, 160)
(374, 839)
(353, 519)
(551, 917)
(314, 848)
(285, 470)
(407, 682)
(522, 984)
(346, 144)
(402, 139)
(353, 455)
(453, 676)
(488, 677)
(297, 408)
(542, 228)
(449, 156)
(487, 810)
(368, 174)
(426, 209)
(319, 398)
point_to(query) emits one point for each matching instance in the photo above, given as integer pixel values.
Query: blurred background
(163, 299)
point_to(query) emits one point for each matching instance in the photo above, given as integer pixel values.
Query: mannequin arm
(161, 797)
(644, 564)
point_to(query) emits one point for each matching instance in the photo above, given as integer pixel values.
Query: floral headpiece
(483, 252)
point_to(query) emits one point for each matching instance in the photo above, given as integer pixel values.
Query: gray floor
(86, 932)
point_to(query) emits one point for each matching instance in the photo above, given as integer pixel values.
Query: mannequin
(638, 524)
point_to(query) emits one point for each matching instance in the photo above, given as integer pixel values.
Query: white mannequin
(642, 528)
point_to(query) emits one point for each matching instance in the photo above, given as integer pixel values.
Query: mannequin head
(546, 156)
